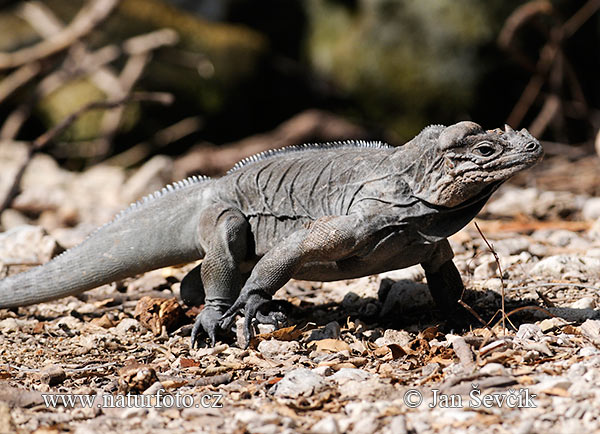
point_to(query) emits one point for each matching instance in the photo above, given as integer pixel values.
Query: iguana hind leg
(192, 289)
(224, 233)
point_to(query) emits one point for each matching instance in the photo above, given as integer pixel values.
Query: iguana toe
(207, 320)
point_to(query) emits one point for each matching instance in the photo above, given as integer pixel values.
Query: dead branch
(497, 259)
(157, 97)
(44, 139)
(18, 79)
(162, 138)
(93, 13)
(548, 54)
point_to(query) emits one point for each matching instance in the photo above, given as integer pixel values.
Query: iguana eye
(484, 149)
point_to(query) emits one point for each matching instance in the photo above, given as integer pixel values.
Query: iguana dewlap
(313, 212)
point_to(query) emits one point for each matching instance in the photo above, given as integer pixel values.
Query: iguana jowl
(313, 212)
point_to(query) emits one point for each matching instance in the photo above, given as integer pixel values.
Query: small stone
(127, 325)
(591, 209)
(6, 421)
(512, 246)
(565, 266)
(52, 375)
(493, 369)
(366, 425)
(327, 425)
(398, 337)
(11, 218)
(330, 331)
(591, 330)
(551, 323)
(584, 303)
(488, 268)
(299, 382)
(530, 331)
(511, 201)
(351, 374)
(273, 348)
(28, 244)
(398, 425)
(9, 325)
(588, 351)
(325, 371)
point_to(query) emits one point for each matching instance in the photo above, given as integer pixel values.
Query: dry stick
(157, 97)
(162, 138)
(94, 12)
(497, 259)
(44, 139)
(17, 79)
(546, 60)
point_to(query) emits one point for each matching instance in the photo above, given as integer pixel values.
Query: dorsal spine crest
(309, 146)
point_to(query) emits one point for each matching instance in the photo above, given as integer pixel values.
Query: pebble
(591, 330)
(52, 375)
(567, 266)
(530, 331)
(588, 351)
(591, 209)
(299, 382)
(350, 374)
(327, 425)
(584, 303)
(127, 325)
(391, 336)
(275, 349)
(28, 244)
(331, 331)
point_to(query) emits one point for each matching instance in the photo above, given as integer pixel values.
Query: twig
(472, 311)
(44, 139)
(93, 13)
(548, 53)
(497, 259)
(162, 138)
(157, 97)
(17, 79)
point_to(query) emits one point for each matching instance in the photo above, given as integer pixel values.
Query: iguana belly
(391, 252)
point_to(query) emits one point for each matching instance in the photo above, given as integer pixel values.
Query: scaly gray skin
(313, 212)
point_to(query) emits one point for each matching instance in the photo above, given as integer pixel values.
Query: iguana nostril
(531, 146)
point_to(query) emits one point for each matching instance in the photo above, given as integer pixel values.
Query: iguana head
(462, 162)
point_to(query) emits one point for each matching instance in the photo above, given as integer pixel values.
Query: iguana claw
(251, 303)
(207, 320)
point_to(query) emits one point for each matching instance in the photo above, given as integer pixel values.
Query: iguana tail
(158, 231)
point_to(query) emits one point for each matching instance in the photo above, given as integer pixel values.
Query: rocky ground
(364, 356)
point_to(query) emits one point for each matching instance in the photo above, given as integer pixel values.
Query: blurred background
(208, 82)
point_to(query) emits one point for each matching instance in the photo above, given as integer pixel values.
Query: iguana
(313, 212)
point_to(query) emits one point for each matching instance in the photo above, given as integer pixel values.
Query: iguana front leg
(444, 281)
(326, 239)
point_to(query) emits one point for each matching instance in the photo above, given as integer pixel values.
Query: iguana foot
(207, 320)
(251, 303)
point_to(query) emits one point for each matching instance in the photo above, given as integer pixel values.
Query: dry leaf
(188, 363)
(154, 313)
(329, 345)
